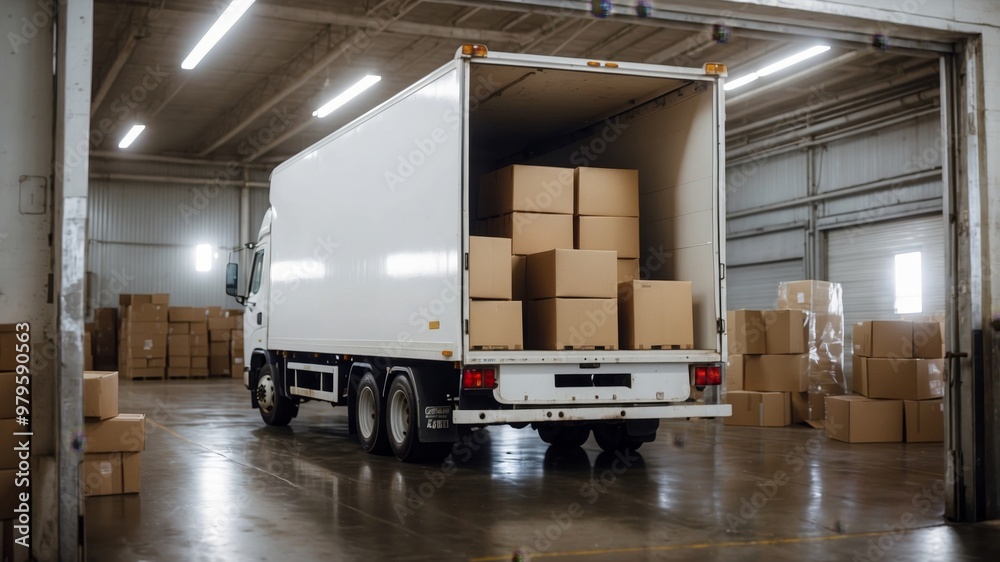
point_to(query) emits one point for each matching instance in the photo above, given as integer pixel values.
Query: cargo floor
(218, 485)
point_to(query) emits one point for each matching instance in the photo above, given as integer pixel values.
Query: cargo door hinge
(466, 326)
(467, 261)
(722, 271)
(720, 325)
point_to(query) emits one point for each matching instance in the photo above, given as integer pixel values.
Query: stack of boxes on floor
(220, 336)
(899, 381)
(784, 363)
(114, 441)
(236, 347)
(9, 493)
(188, 343)
(574, 245)
(142, 345)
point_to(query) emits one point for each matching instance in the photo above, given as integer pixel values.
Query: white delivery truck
(357, 292)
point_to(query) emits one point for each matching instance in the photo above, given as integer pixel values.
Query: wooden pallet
(146, 378)
(589, 348)
(664, 347)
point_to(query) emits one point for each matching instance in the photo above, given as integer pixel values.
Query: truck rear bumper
(596, 413)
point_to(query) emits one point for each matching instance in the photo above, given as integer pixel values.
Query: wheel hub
(265, 394)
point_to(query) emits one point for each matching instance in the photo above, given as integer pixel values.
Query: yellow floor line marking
(697, 546)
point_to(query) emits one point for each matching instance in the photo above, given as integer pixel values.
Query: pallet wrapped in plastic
(824, 304)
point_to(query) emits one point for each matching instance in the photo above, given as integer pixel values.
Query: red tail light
(707, 375)
(479, 378)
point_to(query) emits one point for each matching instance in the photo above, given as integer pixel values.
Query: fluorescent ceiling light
(219, 28)
(130, 137)
(775, 67)
(796, 58)
(351, 93)
(742, 80)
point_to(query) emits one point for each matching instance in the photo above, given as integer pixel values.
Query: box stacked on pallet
(823, 302)
(142, 346)
(220, 335)
(180, 339)
(572, 300)
(530, 205)
(200, 348)
(236, 346)
(495, 321)
(607, 215)
(105, 336)
(114, 440)
(9, 500)
(898, 373)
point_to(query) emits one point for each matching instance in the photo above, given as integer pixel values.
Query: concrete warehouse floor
(219, 485)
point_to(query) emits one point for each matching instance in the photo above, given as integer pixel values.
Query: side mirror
(232, 279)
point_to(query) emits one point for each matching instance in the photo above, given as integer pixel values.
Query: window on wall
(203, 257)
(909, 287)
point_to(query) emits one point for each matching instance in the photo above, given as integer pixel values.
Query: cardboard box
(859, 379)
(147, 312)
(571, 324)
(105, 474)
(496, 325)
(883, 338)
(200, 351)
(810, 295)
(620, 234)
(236, 367)
(924, 420)
(536, 189)
(734, 372)
(220, 335)
(856, 419)
(759, 409)
(131, 300)
(8, 389)
(199, 328)
(198, 340)
(607, 192)
(200, 371)
(157, 362)
(628, 270)
(222, 323)
(178, 361)
(160, 298)
(571, 273)
(200, 362)
(785, 373)
(144, 372)
(179, 341)
(655, 315)
(8, 351)
(905, 379)
(800, 406)
(927, 340)
(218, 365)
(10, 495)
(122, 433)
(133, 329)
(519, 279)
(531, 233)
(745, 332)
(490, 268)
(219, 349)
(178, 371)
(100, 395)
(785, 331)
(186, 314)
(8, 442)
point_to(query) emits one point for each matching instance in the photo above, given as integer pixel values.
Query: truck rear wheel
(369, 415)
(275, 409)
(564, 436)
(402, 418)
(612, 437)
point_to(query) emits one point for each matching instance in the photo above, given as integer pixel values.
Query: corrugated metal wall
(141, 235)
(766, 246)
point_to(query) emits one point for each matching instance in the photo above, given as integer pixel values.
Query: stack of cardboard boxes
(495, 321)
(9, 493)
(571, 300)
(220, 336)
(142, 346)
(114, 441)
(606, 215)
(898, 375)
(236, 347)
(188, 342)
(530, 205)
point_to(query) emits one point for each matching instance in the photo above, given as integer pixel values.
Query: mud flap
(433, 388)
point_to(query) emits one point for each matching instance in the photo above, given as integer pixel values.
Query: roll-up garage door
(863, 260)
(756, 286)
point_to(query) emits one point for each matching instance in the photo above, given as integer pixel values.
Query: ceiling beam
(244, 114)
(128, 41)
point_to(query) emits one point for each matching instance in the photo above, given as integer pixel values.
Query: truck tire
(612, 437)
(275, 409)
(564, 436)
(369, 416)
(402, 417)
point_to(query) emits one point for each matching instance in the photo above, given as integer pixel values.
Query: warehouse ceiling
(252, 97)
